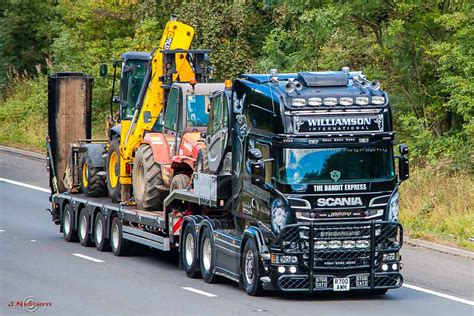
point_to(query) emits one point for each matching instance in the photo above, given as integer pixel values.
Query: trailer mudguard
(95, 152)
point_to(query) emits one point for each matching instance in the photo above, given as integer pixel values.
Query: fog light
(293, 269)
(384, 267)
(394, 267)
(281, 269)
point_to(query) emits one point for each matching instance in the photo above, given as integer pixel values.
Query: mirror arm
(113, 92)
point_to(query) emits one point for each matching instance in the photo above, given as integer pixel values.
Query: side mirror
(403, 149)
(103, 70)
(116, 99)
(403, 164)
(257, 173)
(255, 154)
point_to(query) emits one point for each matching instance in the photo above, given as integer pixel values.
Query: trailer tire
(93, 180)
(113, 170)
(147, 180)
(120, 246)
(202, 161)
(83, 225)
(251, 269)
(189, 251)
(207, 257)
(101, 241)
(69, 233)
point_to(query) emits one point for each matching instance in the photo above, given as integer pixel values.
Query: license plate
(341, 284)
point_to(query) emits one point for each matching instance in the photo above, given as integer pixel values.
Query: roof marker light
(315, 101)
(362, 101)
(346, 101)
(298, 102)
(330, 101)
(379, 100)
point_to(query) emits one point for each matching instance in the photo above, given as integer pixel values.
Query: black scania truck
(294, 189)
(301, 169)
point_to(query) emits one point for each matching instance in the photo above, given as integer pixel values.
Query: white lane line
(2, 231)
(29, 186)
(33, 240)
(80, 255)
(199, 291)
(447, 296)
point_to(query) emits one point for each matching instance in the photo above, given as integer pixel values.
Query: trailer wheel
(207, 257)
(69, 233)
(100, 238)
(189, 251)
(251, 269)
(113, 170)
(147, 180)
(83, 228)
(93, 180)
(202, 161)
(120, 246)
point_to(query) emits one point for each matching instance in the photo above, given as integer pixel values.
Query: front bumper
(317, 268)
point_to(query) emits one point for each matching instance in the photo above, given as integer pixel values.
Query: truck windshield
(196, 108)
(313, 165)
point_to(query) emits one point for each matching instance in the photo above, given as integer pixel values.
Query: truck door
(218, 132)
(131, 81)
(172, 122)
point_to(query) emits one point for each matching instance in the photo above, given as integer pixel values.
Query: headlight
(393, 208)
(278, 218)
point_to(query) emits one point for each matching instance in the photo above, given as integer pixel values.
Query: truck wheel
(251, 269)
(207, 257)
(83, 228)
(189, 251)
(120, 246)
(93, 182)
(69, 233)
(113, 170)
(202, 161)
(179, 182)
(100, 237)
(147, 180)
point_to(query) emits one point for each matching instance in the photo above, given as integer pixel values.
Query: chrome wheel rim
(83, 227)
(206, 254)
(67, 223)
(249, 267)
(98, 231)
(115, 236)
(189, 249)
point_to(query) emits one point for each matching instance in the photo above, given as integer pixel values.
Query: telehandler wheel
(179, 182)
(113, 170)
(189, 250)
(69, 233)
(202, 161)
(207, 257)
(102, 243)
(93, 180)
(83, 228)
(251, 269)
(120, 246)
(147, 180)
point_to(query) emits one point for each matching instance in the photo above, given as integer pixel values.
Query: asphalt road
(36, 262)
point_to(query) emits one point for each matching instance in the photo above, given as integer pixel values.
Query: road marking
(447, 296)
(199, 291)
(33, 240)
(29, 186)
(2, 231)
(87, 257)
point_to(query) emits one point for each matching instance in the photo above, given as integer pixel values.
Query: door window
(216, 114)
(265, 149)
(172, 110)
(133, 75)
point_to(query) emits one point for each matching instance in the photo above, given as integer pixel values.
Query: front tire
(93, 180)
(120, 246)
(207, 257)
(147, 180)
(113, 170)
(83, 228)
(179, 182)
(251, 269)
(69, 233)
(189, 251)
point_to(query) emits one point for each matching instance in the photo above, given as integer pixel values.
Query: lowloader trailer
(295, 190)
